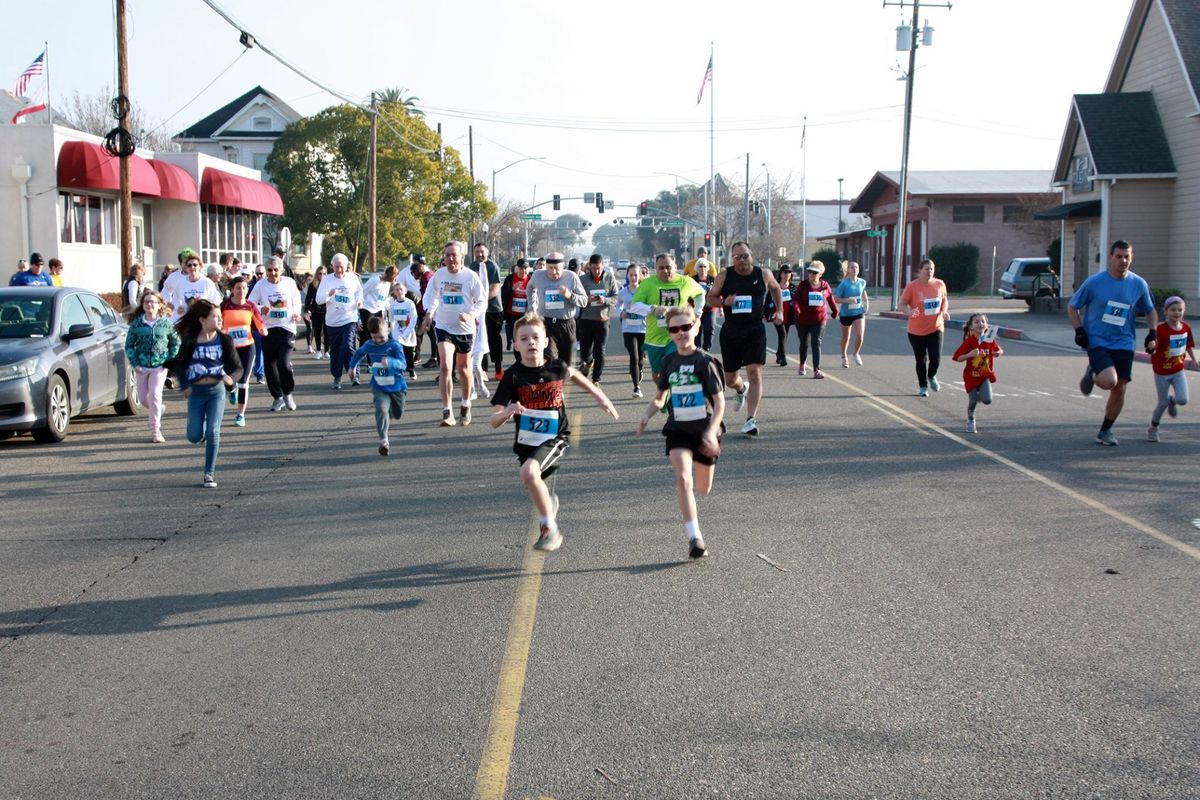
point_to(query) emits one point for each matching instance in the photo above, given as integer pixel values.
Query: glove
(1151, 342)
(1081, 337)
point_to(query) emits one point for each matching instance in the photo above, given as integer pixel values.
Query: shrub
(957, 265)
(1054, 251)
(832, 262)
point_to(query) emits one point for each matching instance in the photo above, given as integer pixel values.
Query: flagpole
(712, 107)
(804, 192)
(49, 107)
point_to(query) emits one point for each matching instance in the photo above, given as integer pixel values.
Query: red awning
(225, 189)
(83, 165)
(176, 183)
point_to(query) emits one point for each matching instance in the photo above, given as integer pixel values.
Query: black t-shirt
(751, 291)
(540, 390)
(694, 380)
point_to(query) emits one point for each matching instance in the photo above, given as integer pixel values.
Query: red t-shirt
(978, 369)
(1170, 348)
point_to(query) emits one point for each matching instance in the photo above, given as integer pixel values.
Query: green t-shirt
(675, 292)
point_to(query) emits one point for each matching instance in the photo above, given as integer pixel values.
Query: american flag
(707, 79)
(38, 67)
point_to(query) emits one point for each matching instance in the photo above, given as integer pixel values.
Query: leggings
(781, 334)
(980, 394)
(706, 329)
(928, 352)
(635, 344)
(810, 333)
(279, 345)
(316, 332)
(246, 354)
(410, 358)
(493, 322)
(1163, 384)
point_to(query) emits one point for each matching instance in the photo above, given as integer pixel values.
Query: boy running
(531, 391)
(388, 388)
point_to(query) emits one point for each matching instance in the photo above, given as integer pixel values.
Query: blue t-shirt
(387, 365)
(851, 288)
(27, 278)
(1110, 307)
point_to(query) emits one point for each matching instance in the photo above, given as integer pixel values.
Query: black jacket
(230, 360)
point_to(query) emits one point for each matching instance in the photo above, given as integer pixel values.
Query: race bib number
(933, 306)
(382, 373)
(816, 298)
(452, 295)
(240, 335)
(536, 426)
(278, 313)
(742, 304)
(787, 295)
(1177, 345)
(554, 301)
(687, 402)
(598, 294)
(519, 304)
(854, 304)
(341, 295)
(1115, 313)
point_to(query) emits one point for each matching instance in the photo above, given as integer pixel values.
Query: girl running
(633, 327)
(979, 351)
(240, 319)
(853, 304)
(403, 314)
(1173, 345)
(150, 343)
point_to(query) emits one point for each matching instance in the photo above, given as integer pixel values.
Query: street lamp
(496, 172)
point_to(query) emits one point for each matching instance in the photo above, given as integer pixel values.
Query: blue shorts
(1101, 358)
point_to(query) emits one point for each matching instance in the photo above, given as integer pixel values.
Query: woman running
(633, 327)
(240, 319)
(925, 302)
(853, 304)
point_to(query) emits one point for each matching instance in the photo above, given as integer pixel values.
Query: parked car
(62, 352)
(1021, 281)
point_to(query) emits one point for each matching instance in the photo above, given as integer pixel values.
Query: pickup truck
(1024, 278)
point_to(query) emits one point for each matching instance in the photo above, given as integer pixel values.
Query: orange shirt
(928, 306)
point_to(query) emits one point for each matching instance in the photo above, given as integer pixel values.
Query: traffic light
(600, 202)
(719, 238)
(708, 240)
(558, 202)
(643, 208)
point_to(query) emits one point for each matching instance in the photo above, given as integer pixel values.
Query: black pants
(781, 334)
(593, 336)
(635, 344)
(807, 334)
(277, 358)
(561, 333)
(316, 332)
(928, 352)
(493, 323)
(510, 322)
(706, 329)
(410, 358)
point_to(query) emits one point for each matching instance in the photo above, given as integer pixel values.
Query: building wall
(34, 144)
(1010, 240)
(1141, 214)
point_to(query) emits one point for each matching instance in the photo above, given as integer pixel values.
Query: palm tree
(396, 96)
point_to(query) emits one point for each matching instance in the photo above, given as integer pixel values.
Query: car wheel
(130, 406)
(7, 435)
(58, 412)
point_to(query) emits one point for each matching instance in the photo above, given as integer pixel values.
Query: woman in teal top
(852, 300)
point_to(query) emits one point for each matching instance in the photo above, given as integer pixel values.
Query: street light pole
(770, 244)
(496, 172)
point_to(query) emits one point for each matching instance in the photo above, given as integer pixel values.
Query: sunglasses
(680, 328)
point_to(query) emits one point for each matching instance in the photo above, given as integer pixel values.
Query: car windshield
(23, 317)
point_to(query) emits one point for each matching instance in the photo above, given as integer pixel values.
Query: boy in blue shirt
(388, 387)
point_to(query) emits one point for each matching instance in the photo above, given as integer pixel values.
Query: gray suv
(1025, 278)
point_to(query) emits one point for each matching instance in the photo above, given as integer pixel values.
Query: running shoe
(1086, 382)
(739, 400)
(464, 415)
(637, 391)
(337, 384)
(1106, 438)
(354, 381)
(311, 349)
(210, 481)
(289, 402)
(157, 437)
(1172, 408)
(433, 362)
(1152, 433)
(858, 359)
(971, 426)
(923, 392)
(549, 539)
(696, 548)
(279, 404)
(933, 384)
(803, 369)
(845, 362)
(383, 448)
(817, 374)
(231, 397)
(751, 427)
(259, 378)
(447, 419)
(412, 374)
(317, 356)
(499, 373)
(240, 420)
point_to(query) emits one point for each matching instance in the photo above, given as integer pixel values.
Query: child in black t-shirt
(531, 391)
(695, 383)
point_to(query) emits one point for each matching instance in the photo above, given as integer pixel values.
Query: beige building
(1129, 162)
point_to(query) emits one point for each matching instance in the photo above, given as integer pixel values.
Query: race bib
(854, 304)
(787, 294)
(380, 298)
(240, 335)
(452, 295)
(687, 402)
(554, 301)
(816, 298)
(933, 306)
(1177, 345)
(742, 304)
(519, 304)
(598, 294)
(279, 313)
(1115, 313)
(382, 373)
(341, 295)
(535, 426)
(989, 335)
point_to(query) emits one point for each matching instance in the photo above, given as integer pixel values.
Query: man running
(453, 300)
(601, 289)
(654, 295)
(742, 290)
(1111, 301)
(556, 295)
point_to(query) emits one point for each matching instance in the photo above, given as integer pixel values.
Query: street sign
(531, 216)
(589, 197)
(673, 223)
(877, 232)
(285, 238)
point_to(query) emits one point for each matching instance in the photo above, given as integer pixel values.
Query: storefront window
(229, 230)
(87, 219)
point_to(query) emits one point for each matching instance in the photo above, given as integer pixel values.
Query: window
(965, 214)
(229, 230)
(1014, 214)
(102, 313)
(72, 313)
(261, 123)
(87, 219)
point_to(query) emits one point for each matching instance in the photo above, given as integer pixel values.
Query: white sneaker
(739, 400)
(845, 363)
(311, 349)
(751, 427)
(279, 404)
(289, 402)
(858, 359)
(316, 356)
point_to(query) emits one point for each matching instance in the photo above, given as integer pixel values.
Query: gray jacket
(558, 305)
(605, 289)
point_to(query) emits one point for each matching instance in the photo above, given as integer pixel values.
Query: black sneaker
(1086, 383)
(549, 540)
(384, 449)
(433, 362)
(1172, 409)
(696, 548)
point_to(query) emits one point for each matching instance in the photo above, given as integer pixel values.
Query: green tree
(320, 167)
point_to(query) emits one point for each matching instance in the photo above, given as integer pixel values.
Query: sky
(603, 96)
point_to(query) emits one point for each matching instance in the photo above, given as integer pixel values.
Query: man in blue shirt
(1111, 301)
(36, 275)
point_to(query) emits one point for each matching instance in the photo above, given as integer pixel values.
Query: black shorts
(1101, 358)
(742, 346)
(463, 342)
(848, 321)
(677, 441)
(547, 454)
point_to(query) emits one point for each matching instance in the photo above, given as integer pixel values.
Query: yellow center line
(1142, 527)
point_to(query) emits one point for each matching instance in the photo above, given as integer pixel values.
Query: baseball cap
(418, 258)
(812, 268)
(35, 258)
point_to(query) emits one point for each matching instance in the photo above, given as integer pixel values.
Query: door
(1083, 255)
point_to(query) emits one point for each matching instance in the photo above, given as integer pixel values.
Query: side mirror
(79, 332)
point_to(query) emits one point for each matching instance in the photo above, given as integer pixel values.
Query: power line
(202, 91)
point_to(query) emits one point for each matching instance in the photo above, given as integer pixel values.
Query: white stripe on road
(868, 401)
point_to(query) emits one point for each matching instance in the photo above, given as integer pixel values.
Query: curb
(957, 324)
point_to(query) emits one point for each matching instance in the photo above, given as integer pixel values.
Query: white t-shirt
(282, 300)
(179, 292)
(450, 294)
(404, 321)
(342, 307)
(377, 294)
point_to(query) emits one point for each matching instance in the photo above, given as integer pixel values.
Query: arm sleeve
(578, 296)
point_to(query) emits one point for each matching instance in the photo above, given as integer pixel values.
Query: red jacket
(806, 314)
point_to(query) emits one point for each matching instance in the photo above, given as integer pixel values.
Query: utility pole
(123, 120)
(906, 39)
(372, 160)
(471, 149)
(746, 211)
(770, 244)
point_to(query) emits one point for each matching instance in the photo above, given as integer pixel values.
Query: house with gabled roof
(243, 130)
(1129, 160)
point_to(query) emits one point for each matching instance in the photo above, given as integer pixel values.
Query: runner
(489, 275)
(633, 327)
(341, 295)
(189, 284)
(927, 306)
(1111, 301)
(813, 304)
(853, 307)
(454, 301)
(979, 351)
(493, 317)
(784, 278)
(694, 381)
(655, 294)
(388, 389)
(531, 391)
(601, 289)
(705, 277)
(150, 344)
(278, 299)
(314, 316)
(239, 319)
(1173, 345)
(741, 291)
(377, 295)
(403, 314)
(514, 298)
(556, 295)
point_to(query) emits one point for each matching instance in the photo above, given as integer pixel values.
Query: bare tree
(93, 114)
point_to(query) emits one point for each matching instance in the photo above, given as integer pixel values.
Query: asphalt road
(892, 608)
